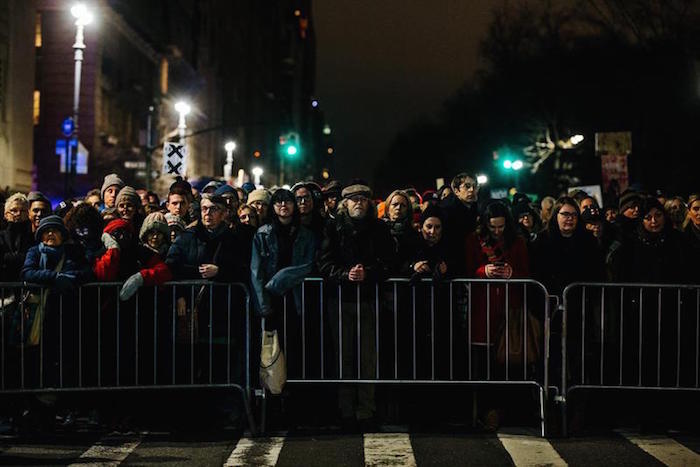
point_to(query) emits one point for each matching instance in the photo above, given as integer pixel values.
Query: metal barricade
(194, 334)
(629, 337)
(406, 332)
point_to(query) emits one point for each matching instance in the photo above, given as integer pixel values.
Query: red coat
(478, 254)
(154, 271)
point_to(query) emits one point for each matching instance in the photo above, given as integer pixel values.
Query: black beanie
(432, 211)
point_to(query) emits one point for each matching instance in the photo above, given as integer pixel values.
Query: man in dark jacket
(461, 218)
(356, 253)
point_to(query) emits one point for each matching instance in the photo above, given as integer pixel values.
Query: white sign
(174, 159)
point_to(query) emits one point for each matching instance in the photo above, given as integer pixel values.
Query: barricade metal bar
(99, 336)
(376, 327)
(303, 330)
(641, 306)
(622, 327)
(321, 328)
(432, 331)
(697, 337)
(678, 341)
(340, 330)
(155, 335)
(2, 338)
(60, 340)
(469, 328)
(602, 332)
(359, 336)
(80, 337)
(526, 325)
(658, 342)
(583, 335)
(451, 335)
(413, 301)
(396, 334)
(192, 309)
(136, 359)
(118, 334)
(175, 318)
(211, 331)
(44, 298)
(284, 323)
(507, 333)
(247, 341)
(22, 341)
(488, 331)
(228, 335)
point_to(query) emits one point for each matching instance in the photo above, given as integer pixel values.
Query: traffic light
(290, 145)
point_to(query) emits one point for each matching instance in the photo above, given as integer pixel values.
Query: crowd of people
(271, 239)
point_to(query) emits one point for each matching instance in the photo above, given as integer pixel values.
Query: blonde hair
(695, 197)
(16, 198)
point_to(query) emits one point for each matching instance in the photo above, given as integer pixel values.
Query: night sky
(382, 65)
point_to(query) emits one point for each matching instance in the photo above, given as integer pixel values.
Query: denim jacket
(265, 276)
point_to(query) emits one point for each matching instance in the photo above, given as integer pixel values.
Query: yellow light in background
(330, 150)
(325, 174)
(297, 13)
(257, 154)
(37, 31)
(36, 108)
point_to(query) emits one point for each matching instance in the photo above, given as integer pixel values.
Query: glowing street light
(257, 173)
(576, 139)
(507, 164)
(230, 146)
(482, 179)
(182, 108)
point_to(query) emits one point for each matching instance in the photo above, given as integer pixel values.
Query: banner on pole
(174, 159)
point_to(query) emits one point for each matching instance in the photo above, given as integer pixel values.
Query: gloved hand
(64, 282)
(109, 242)
(131, 286)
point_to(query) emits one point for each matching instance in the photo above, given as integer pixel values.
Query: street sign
(67, 127)
(174, 159)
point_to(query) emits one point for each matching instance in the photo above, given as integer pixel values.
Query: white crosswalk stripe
(110, 450)
(666, 450)
(388, 449)
(256, 451)
(530, 450)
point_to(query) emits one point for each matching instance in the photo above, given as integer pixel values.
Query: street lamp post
(182, 108)
(230, 146)
(257, 173)
(82, 17)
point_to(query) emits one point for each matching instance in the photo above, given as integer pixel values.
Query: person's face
(246, 217)
(694, 213)
(414, 200)
(16, 213)
(445, 193)
(150, 199)
(398, 208)
(526, 221)
(610, 215)
(284, 210)
(497, 225)
(654, 221)
(37, 211)
(468, 190)
(358, 206)
(304, 200)
(52, 237)
(178, 205)
(631, 212)
(155, 239)
(126, 210)
(432, 230)
(111, 195)
(586, 203)
(212, 214)
(261, 208)
(331, 203)
(93, 201)
(143, 196)
(567, 219)
(594, 228)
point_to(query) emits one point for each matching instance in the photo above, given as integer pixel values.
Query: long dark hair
(553, 223)
(498, 209)
(283, 194)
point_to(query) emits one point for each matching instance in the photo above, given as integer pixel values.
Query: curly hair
(84, 216)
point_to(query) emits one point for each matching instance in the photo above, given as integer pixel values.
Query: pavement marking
(667, 450)
(258, 451)
(388, 449)
(112, 449)
(530, 450)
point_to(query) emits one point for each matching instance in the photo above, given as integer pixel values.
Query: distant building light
(314, 103)
(257, 154)
(330, 150)
(325, 174)
(326, 130)
(297, 13)
(517, 165)
(576, 139)
(37, 31)
(36, 109)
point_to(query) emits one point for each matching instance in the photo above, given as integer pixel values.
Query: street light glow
(257, 171)
(81, 14)
(482, 179)
(507, 164)
(326, 130)
(517, 165)
(576, 139)
(292, 150)
(230, 146)
(182, 107)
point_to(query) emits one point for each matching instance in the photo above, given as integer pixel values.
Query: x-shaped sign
(174, 169)
(175, 151)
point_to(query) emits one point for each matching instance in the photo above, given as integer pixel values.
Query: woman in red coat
(495, 251)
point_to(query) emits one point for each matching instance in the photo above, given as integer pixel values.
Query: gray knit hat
(111, 180)
(154, 221)
(128, 193)
(175, 221)
(260, 194)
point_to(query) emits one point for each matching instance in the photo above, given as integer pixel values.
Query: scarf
(50, 256)
(492, 249)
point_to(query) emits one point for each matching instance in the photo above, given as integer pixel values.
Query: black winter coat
(460, 221)
(15, 241)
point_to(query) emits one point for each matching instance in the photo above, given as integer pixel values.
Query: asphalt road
(328, 446)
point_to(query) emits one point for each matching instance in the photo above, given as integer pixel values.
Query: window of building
(37, 106)
(164, 76)
(37, 30)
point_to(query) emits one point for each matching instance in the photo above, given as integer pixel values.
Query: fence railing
(630, 337)
(462, 331)
(180, 335)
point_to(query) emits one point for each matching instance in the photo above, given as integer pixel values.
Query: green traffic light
(292, 150)
(507, 164)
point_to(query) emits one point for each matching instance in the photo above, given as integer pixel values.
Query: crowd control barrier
(629, 337)
(180, 335)
(417, 332)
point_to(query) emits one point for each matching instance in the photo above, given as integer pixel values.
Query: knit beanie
(260, 194)
(175, 221)
(154, 221)
(48, 222)
(520, 209)
(128, 194)
(432, 211)
(111, 180)
(628, 199)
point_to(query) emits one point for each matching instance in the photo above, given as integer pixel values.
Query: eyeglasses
(212, 208)
(567, 215)
(303, 199)
(469, 186)
(280, 202)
